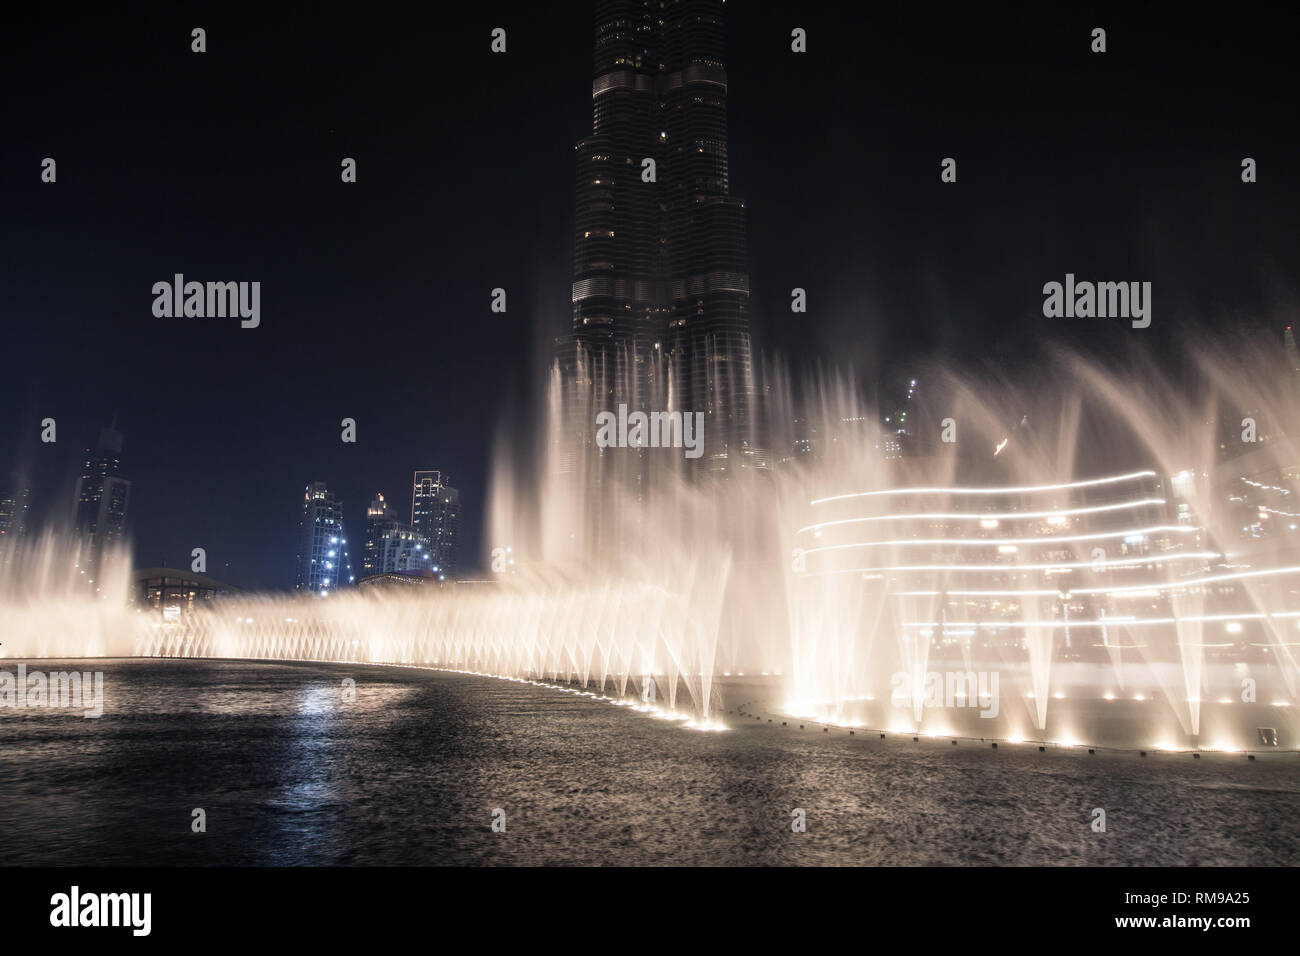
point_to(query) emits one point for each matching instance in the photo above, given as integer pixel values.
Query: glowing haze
(1090, 557)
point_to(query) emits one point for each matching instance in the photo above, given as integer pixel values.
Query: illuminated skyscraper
(13, 515)
(660, 282)
(323, 562)
(435, 514)
(380, 519)
(103, 492)
(391, 546)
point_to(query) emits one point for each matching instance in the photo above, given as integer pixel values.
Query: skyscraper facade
(402, 550)
(13, 515)
(323, 561)
(435, 514)
(380, 519)
(660, 315)
(103, 493)
(391, 546)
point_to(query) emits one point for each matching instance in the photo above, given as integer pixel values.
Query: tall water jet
(1093, 550)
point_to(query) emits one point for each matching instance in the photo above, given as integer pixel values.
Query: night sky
(225, 166)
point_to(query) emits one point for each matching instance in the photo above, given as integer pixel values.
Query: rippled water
(289, 772)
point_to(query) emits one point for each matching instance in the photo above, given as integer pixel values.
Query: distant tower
(1292, 353)
(323, 562)
(435, 514)
(660, 314)
(102, 495)
(13, 515)
(380, 519)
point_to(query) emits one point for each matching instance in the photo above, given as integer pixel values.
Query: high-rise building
(391, 546)
(13, 515)
(380, 519)
(323, 561)
(435, 514)
(103, 492)
(660, 282)
(402, 550)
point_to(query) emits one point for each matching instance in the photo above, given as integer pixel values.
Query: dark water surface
(288, 772)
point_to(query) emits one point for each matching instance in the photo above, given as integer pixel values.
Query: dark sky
(375, 296)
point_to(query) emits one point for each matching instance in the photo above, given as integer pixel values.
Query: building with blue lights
(323, 562)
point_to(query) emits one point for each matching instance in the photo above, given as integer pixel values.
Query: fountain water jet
(1087, 537)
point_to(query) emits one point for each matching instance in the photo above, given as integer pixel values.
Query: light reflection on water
(290, 772)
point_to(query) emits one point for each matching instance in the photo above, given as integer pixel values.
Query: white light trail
(1179, 585)
(981, 515)
(1117, 564)
(988, 542)
(1104, 622)
(1023, 489)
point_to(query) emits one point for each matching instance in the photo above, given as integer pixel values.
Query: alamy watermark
(651, 430)
(211, 300)
(950, 689)
(75, 908)
(72, 689)
(1101, 300)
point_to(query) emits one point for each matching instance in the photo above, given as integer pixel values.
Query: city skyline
(843, 199)
(652, 434)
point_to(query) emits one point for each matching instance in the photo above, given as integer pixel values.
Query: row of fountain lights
(1067, 742)
(692, 723)
(797, 710)
(630, 703)
(901, 730)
